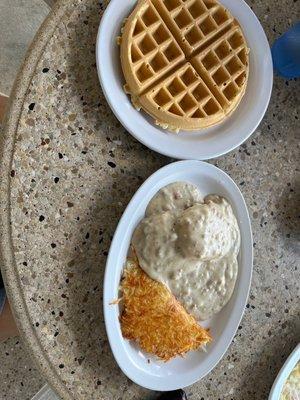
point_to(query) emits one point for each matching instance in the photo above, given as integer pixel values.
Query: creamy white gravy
(191, 245)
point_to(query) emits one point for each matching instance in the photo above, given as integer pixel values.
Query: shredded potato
(155, 319)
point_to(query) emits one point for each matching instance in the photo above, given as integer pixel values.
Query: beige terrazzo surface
(74, 169)
(19, 378)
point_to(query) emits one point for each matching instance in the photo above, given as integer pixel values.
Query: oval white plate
(283, 374)
(179, 372)
(206, 143)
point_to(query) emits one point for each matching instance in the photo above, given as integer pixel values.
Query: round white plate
(179, 372)
(283, 374)
(206, 143)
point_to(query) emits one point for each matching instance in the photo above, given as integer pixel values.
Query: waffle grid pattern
(185, 95)
(153, 50)
(193, 22)
(224, 64)
(173, 39)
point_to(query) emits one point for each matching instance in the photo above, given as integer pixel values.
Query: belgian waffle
(185, 62)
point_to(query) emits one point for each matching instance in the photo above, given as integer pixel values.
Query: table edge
(7, 143)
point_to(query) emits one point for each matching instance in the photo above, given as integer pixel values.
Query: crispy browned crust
(155, 319)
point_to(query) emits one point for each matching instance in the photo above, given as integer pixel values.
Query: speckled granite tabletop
(69, 169)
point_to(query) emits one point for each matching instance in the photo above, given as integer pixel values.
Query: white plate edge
(284, 372)
(236, 321)
(176, 154)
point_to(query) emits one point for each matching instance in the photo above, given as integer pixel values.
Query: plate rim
(284, 372)
(116, 346)
(175, 151)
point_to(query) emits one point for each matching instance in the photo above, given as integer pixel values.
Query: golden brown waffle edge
(162, 37)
